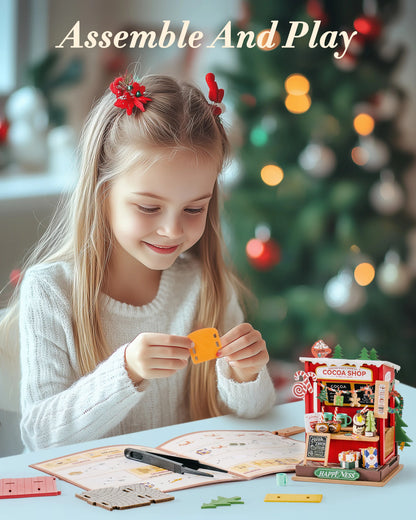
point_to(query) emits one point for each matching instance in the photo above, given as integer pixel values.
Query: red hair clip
(215, 94)
(129, 95)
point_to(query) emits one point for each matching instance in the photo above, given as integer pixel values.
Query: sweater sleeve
(58, 406)
(250, 399)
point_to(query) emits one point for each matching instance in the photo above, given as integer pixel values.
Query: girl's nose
(171, 227)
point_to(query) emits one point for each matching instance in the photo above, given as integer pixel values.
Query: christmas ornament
(318, 160)
(316, 11)
(343, 294)
(303, 383)
(376, 152)
(262, 232)
(393, 277)
(387, 196)
(263, 255)
(368, 26)
(347, 63)
(385, 104)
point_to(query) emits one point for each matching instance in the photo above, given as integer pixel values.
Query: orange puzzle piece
(206, 344)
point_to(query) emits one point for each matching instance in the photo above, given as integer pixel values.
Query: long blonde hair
(178, 117)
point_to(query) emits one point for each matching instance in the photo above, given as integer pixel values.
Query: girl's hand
(152, 355)
(245, 351)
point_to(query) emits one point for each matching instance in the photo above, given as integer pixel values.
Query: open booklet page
(246, 454)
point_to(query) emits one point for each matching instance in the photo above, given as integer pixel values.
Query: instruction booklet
(245, 454)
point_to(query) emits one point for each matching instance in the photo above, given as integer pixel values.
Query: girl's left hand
(246, 352)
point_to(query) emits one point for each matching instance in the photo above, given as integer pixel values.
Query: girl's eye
(194, 211)
(148, 209)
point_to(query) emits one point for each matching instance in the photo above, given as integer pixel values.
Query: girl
(136, 265)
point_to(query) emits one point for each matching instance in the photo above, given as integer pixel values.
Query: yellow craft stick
(206, 344)
(273, 497)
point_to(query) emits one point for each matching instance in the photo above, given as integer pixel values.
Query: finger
(165, 352)
(242, 342)
(168, 340)
(247, 352)
(257, 361)
(235, 333)
(167, 364)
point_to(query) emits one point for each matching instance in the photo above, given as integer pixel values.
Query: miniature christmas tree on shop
(353, 418)
(317, 222)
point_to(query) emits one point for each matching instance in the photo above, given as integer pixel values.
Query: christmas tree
(316, 221)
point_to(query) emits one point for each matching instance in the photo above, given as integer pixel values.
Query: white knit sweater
(60, 407)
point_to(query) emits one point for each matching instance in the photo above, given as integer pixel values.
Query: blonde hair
(178, 117)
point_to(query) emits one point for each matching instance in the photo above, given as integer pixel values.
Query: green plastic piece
(222, 501)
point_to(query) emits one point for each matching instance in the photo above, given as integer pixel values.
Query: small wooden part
(317, 447)
(274, 497)
(288, 432)
(124, 497)
(206, 344)
(28, 487)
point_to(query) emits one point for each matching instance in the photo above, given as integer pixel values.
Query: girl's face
(157, 215)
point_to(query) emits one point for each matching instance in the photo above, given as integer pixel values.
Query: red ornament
(263, 255)
(369, 26)
(129, 95)
(315, 10)
(215, 94)
(4, 128)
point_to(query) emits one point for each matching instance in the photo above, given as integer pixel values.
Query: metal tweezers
(170, 462)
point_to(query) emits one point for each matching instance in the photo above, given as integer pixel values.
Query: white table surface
(344, 501)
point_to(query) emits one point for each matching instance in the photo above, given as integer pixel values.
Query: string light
(297, 85)
(298, 104)
(363, 124)
(271, 174)
(364, 273)
(260, 40)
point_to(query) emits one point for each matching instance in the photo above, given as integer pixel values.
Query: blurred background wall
(45, 94)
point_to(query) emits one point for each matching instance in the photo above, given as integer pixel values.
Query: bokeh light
(258, 136)
(298, 104)
(363, 124)
(262, 39)
(364, 273)
(359, 155)
(254, 248)
(297, 85)
(271, 174)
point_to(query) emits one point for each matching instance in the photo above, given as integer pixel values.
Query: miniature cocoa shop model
(353, 418)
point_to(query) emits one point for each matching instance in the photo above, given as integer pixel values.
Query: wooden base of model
(368, 477)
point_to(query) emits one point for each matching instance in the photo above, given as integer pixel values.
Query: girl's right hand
(152, 355)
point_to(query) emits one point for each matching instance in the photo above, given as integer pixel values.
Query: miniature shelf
(353, 437)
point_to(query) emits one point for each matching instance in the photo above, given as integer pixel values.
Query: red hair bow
(129, 95)
(215, 94)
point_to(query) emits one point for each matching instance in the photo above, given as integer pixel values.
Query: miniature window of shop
(349, 394)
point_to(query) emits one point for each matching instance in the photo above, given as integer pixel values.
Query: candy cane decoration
(300, 388)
